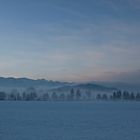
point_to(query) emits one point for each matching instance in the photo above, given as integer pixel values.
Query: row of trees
(31, 95)
(73, 95)
(119, 95)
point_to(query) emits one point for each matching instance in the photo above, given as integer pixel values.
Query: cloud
(134, 3)
(75, 54)
(72, 48)
(117, 5)
(132, 77)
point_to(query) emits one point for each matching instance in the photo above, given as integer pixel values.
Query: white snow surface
(69, 120)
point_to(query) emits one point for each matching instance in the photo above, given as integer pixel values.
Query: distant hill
(120, 85)
(84, 87)
(95, 87)
(25, 82)
(51, 86)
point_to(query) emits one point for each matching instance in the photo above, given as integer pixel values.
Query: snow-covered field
(69, 121)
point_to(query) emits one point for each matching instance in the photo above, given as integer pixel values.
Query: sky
(70, 40)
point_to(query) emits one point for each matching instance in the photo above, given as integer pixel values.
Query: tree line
(73, 95)
(120, 96)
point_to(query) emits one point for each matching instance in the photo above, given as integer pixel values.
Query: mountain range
(57, 86)
(22, 83)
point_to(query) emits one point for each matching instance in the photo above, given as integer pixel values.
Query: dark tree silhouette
(114, 95)
(98, 97)
(126, 95)
(78, 94)
(138, 96)
(62, 97)
(46, 97)
(104, 97)
(71, 95)
(2, 95)
(30, 94)
(54, 96)
(119, 94)
(24, 96)
(88, 94)
(12, 96)
(132, 96)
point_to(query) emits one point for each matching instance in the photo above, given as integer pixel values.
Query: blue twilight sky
(70, 40)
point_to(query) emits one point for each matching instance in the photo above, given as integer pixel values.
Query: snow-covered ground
(69, 121)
